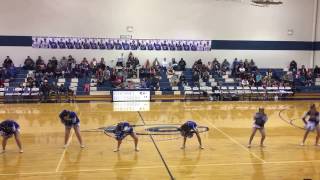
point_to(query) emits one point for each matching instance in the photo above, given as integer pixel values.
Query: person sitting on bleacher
(30, 82)
(174, 64)
(164, 64)
(45, 91)
(195, 78)
(293, 66)
(174, 80)
(225, 66)
(63, 64)
(205, 76)
(29, 64)
(40, 65)
(50, 68)
(7, 62)
(303, 71)
(170, 71)
(244, 82)
(258, 80)
(182, 80)
(100, 76)
(154, 83)
(182, 65)
(1, 83)
(316, 72)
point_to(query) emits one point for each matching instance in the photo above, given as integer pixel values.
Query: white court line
(236, 142)
(64, 152)
(156, 167)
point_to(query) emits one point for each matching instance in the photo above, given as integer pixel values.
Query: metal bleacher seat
(317, 81)
(175, 88)
(2, 91)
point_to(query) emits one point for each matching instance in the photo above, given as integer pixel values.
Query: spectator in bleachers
(154, 83)
(235, 66)
(7, 62)
(2, 82)
(11, 73)
(293, 66)
(156, 63)
(102, 64)
(71, 62)
(45, 91)
(244, 82)
(93, 65)
(205, 76)
(182, 65)
(174, 64)
(182, 80)
(63, 64)
(120, 60)
(143, 83)
(30, 82)
(107, 73)
(251, 81)
(100, 76)
(225, 66)
(147, 64)
(51, 68)
(241, 71)
(174, 80)
(316, 72)
(216, 67)
(303, 71)
(40, 65)
(84, 68)
(309, 79)
(258, 79)
(54, 62)
(29, 64)
(164, 64)
(269, 74)
(170, 71)
(196, 78)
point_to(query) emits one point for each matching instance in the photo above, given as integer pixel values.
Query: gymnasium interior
(157, 65)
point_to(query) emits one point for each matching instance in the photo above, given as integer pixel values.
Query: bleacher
(218, 87)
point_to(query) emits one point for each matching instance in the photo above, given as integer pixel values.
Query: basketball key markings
(166, 131)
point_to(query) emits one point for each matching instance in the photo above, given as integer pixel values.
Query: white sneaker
(65, 146)
(182, 147)
(137, 149)
(82, 146)
(302, 144)
(201, 147)
(249, 146)
(21, 151)
(116, 150)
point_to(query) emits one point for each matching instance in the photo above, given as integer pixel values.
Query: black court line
(155, 145)
(290, 122)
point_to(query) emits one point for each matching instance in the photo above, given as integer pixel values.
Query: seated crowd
(127, 71)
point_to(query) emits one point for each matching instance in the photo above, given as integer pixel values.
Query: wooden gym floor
(225, 155)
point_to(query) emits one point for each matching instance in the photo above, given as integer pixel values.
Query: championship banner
(120, 44)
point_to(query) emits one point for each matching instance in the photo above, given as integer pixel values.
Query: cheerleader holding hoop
(311, 124)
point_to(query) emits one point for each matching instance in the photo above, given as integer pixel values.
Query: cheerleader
(8, 128)
(260, 118)
(311, 124)
(187, 130)
(121, 131)
(70, 120)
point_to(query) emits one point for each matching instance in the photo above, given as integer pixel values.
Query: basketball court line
(155, 167)
(235, 141)
(156, 146)
(64, 152)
